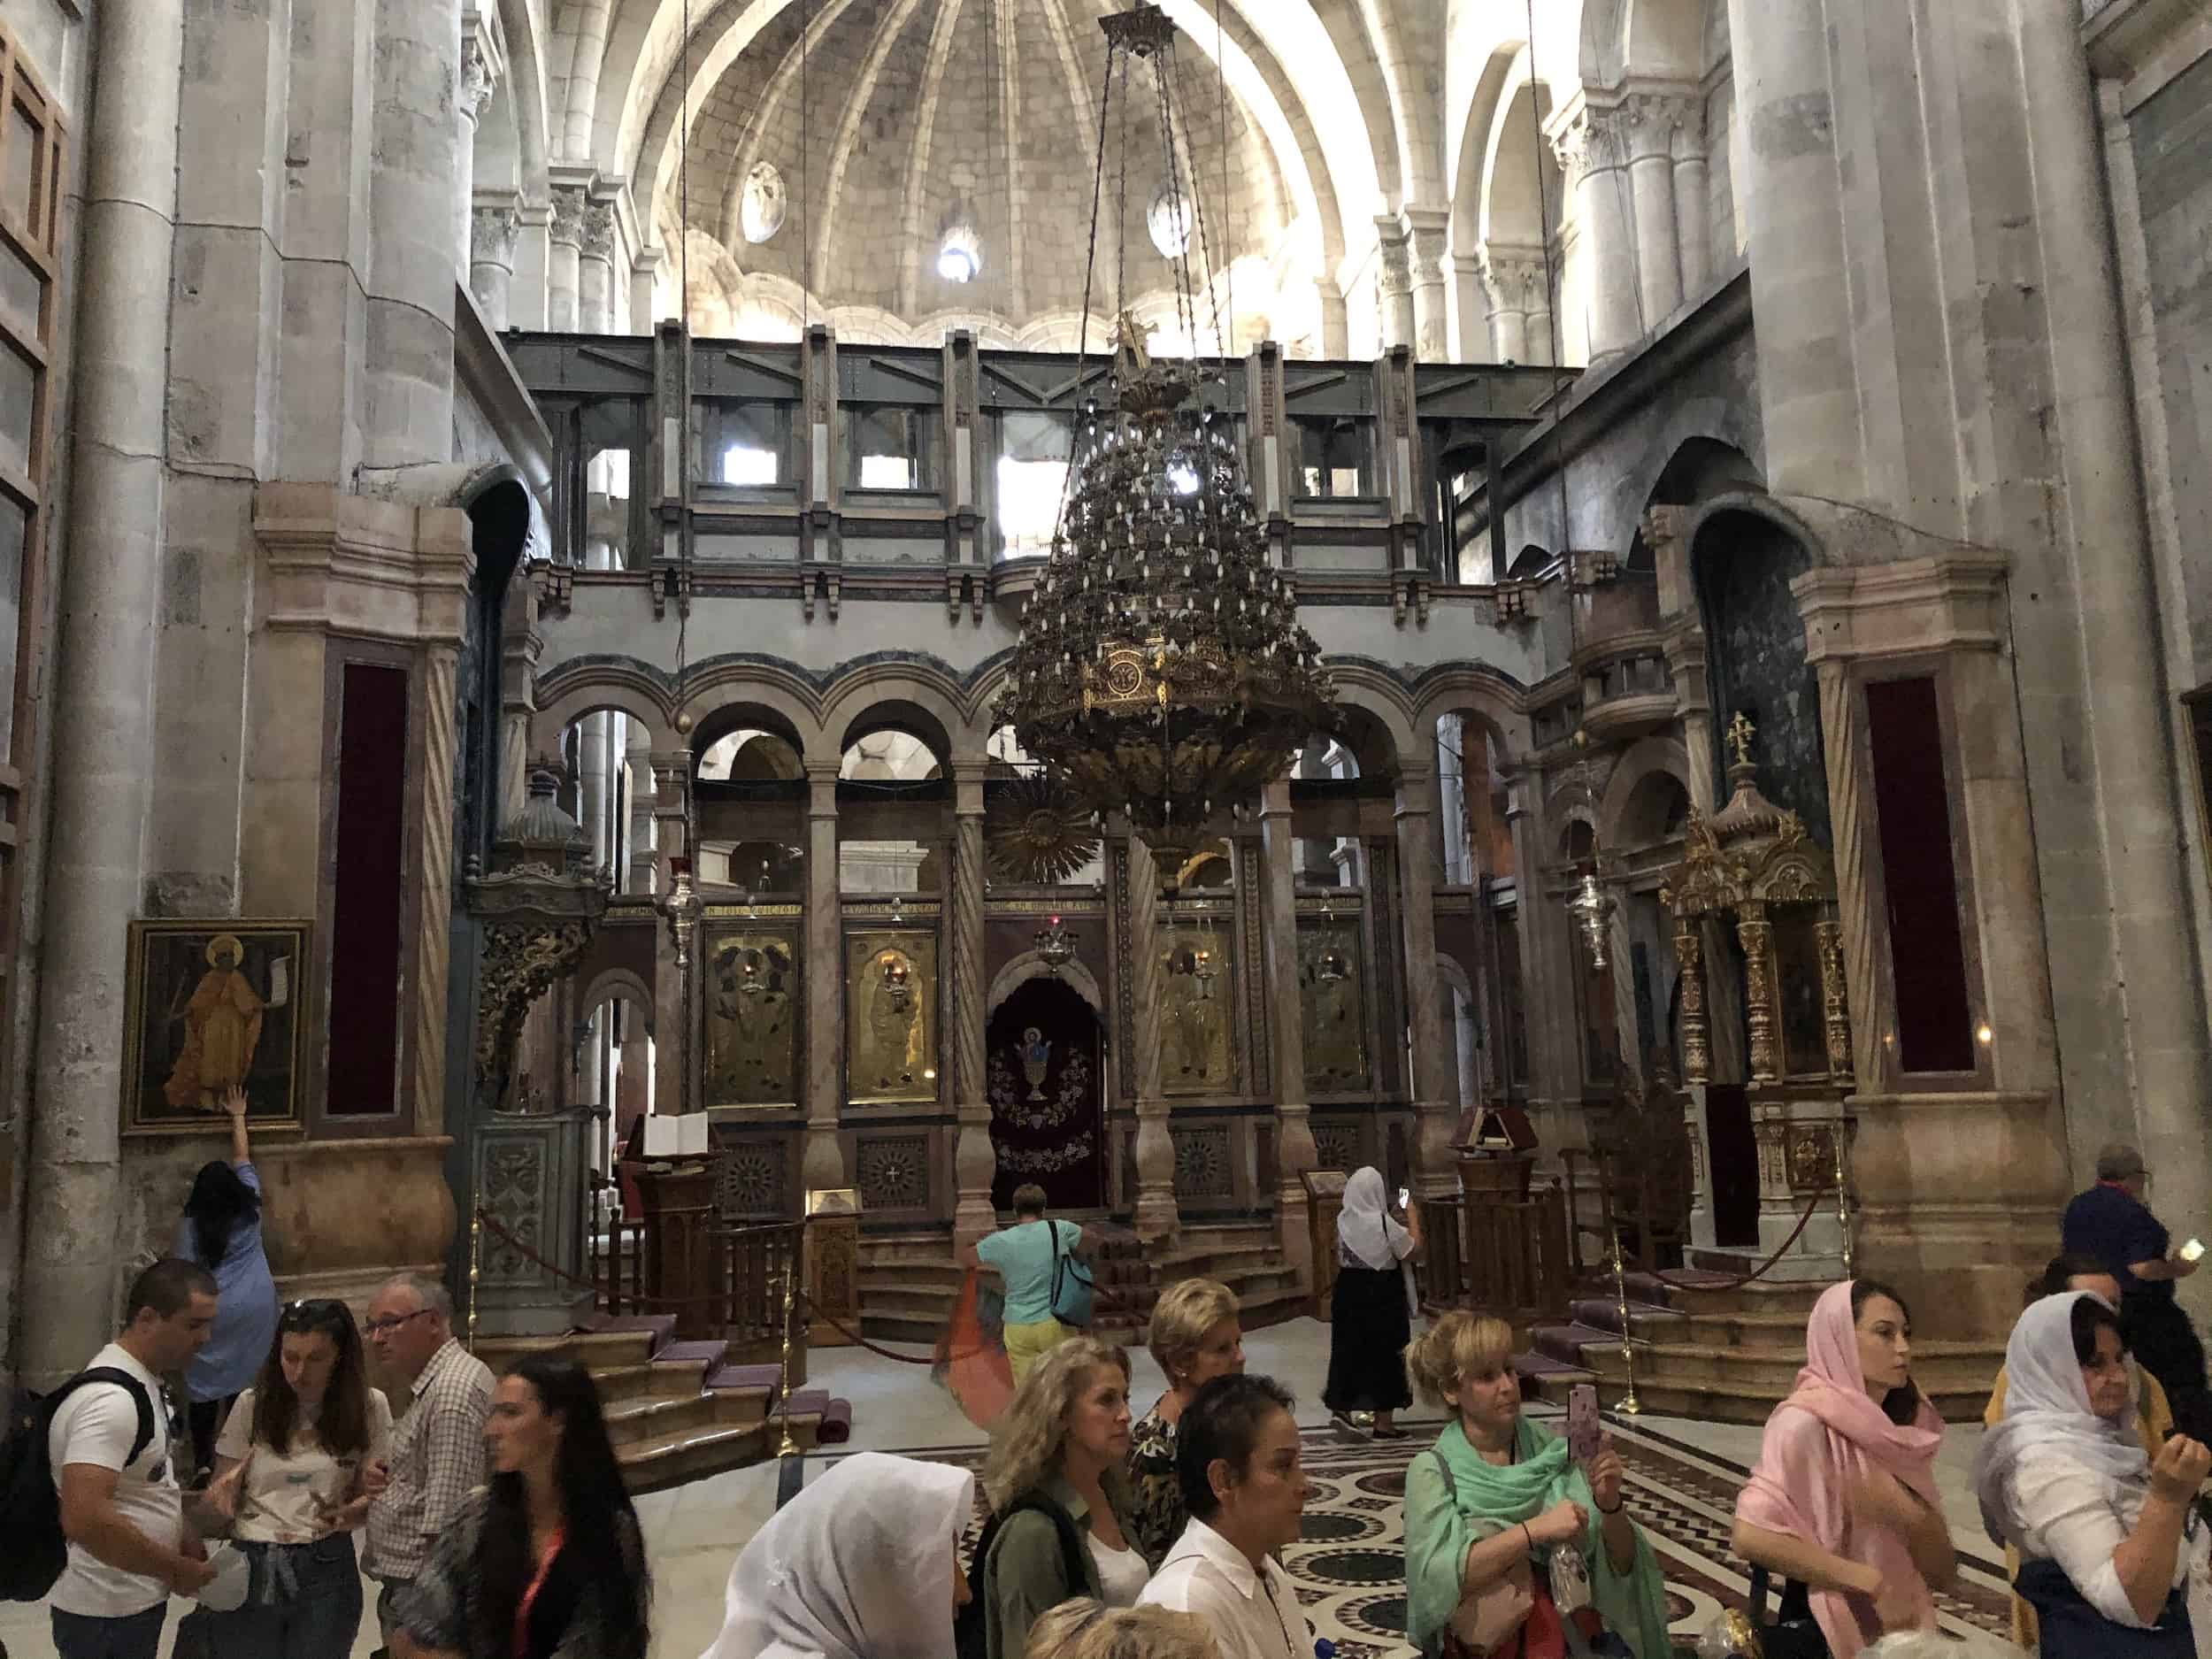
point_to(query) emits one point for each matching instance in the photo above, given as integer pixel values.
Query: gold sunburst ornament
(1039, 832)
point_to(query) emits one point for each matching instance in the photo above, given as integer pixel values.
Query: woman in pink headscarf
(1843, 1502)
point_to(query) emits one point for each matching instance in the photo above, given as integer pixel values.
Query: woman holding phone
(1371, 1312)
(1510, 1537)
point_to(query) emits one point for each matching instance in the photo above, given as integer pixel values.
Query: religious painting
(1197, 993)
(1333, 1005)
(212, 1005)
(1044, 1085)
(1800, 1015)
(753, 996)
(890, 1016)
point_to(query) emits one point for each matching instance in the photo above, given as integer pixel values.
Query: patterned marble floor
(1349, 1564)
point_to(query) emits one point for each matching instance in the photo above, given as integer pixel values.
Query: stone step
(650, 1419)
(593, 1350)
(620, 1383)
(912, 1271)
(1646, 1320)
(680, 1368)
(907, 1302)
(1956, 1371)
(1568, 1343)
(1780, 1331)
(918, 1332)
(661, 1326)
(684, 1454)
(1699, 1290)
(1545, 1377)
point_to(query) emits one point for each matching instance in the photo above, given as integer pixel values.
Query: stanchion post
(476, 1269)
(787, 1447)
(1629, 1405)
(1843, 1196)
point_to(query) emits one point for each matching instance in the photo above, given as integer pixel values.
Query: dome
(919, 121)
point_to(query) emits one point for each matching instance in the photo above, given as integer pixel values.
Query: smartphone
(1585, 1432)
(2193, 1251)
(1405, 1197)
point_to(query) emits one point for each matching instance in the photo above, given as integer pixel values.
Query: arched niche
(749, 801)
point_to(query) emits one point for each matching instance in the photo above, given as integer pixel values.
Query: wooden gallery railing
(1499, 1253)
(738, 1284)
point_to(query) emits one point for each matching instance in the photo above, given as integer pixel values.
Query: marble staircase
(680, 1410)
(1248, 1257)
(1723, 1353)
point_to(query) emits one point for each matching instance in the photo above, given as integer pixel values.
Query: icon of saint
(222, 1028)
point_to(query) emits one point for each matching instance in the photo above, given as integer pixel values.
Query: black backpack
(971, 1627)
(33, 1551)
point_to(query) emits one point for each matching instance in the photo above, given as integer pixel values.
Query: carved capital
(491, 235)
(1396, 266)
(568, 214)
(1590, 140)
(598, 230)
(1653, 119)
(479, 80)
(1515, 279)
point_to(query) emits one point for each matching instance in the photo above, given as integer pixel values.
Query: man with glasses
(438, 1446)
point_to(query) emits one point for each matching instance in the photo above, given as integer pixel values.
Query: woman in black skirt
(1371, 1312)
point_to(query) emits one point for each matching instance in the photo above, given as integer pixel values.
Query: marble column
(1470, 338)
(1427, 230)
(975, 1162)
(595, 284)
(472, 97)
(1592, 149)
(491, 261)
(101, 692)
(1693, 200)
(1394, 282)
(1651, 120)
(824, 1161)
(1800, 273)
(563, 261)
(638, 880)
(1547, 995)
(1520, 322)
(1157, 1216)
(672, 1023)
(1286, 1049)
(1431, 1060)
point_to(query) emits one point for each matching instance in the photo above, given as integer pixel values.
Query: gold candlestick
(1629, 1406)
(788, 1446)
(476, 1269)
(1843, 1198)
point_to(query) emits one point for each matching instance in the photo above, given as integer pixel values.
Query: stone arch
(1704, 450)
(555, 715)
(623, 984)
(1029, 965)
(1648, 758)
(1649, 39)
(1371, 697)
(931, 692)
(1485, 695)
(773, 688)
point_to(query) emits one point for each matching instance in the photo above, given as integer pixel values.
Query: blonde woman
(1491, 1504)
(1059, 1504)
(1086, 1629)
(1196, 1337)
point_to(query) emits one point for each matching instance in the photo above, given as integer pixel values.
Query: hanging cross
(1740, 731)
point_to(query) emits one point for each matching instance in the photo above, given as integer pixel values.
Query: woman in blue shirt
(221, 1230)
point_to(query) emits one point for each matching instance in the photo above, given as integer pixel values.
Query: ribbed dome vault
(914, 115)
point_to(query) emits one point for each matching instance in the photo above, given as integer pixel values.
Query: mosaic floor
(1350, 1562)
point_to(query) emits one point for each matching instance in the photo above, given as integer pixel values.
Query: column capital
(479, 78)
(596, 234)
(1655, 120)
(568, 214)
(491, 230)
(1515, 277)
(1588, 139)
(1394, 247)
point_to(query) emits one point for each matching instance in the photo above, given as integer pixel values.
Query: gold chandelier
(1161, 671)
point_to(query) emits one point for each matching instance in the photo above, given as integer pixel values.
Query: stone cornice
(343, 564)
(1949, 601)
(2145, 43)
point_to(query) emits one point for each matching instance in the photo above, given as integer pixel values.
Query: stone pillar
(1799, 274)
(1157, 1216)
(491, 261)
(1692, 203)
(563, 261)
(1471, 336)
(1506, 285)
(414, 230)
(1652, 119)
(1592, 149)
(1286, 1049)
(472, 97)
(1548, 996)
(673, 1022)
(594, 807)
(824, 1163)
(101, 692)
(1428, 231)
(595, 286)
(975, 1161)
(1394, 282)
(638, 878)
(1431, 1060)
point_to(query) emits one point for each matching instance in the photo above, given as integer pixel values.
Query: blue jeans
(304, 1602)
(136, 1636)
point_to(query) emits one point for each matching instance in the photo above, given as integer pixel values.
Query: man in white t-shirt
(124, 1517)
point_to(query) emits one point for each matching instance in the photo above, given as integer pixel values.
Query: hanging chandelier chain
(1090, 271)
(1186, 208)
(1121, 195)
(1221, 98)
(1205, 246)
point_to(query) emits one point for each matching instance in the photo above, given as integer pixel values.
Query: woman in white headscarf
(1371, 1312)
(2106, 1536)
(863, 1564)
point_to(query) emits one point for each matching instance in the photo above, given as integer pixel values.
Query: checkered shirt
(437, 1461)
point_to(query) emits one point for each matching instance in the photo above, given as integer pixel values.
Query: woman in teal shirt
(1497, 1497)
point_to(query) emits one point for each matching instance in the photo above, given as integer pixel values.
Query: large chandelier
(1161, 671)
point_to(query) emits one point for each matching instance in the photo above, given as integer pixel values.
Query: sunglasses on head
(313, 1311)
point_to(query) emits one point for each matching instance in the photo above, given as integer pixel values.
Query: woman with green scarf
(1495, 1500)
